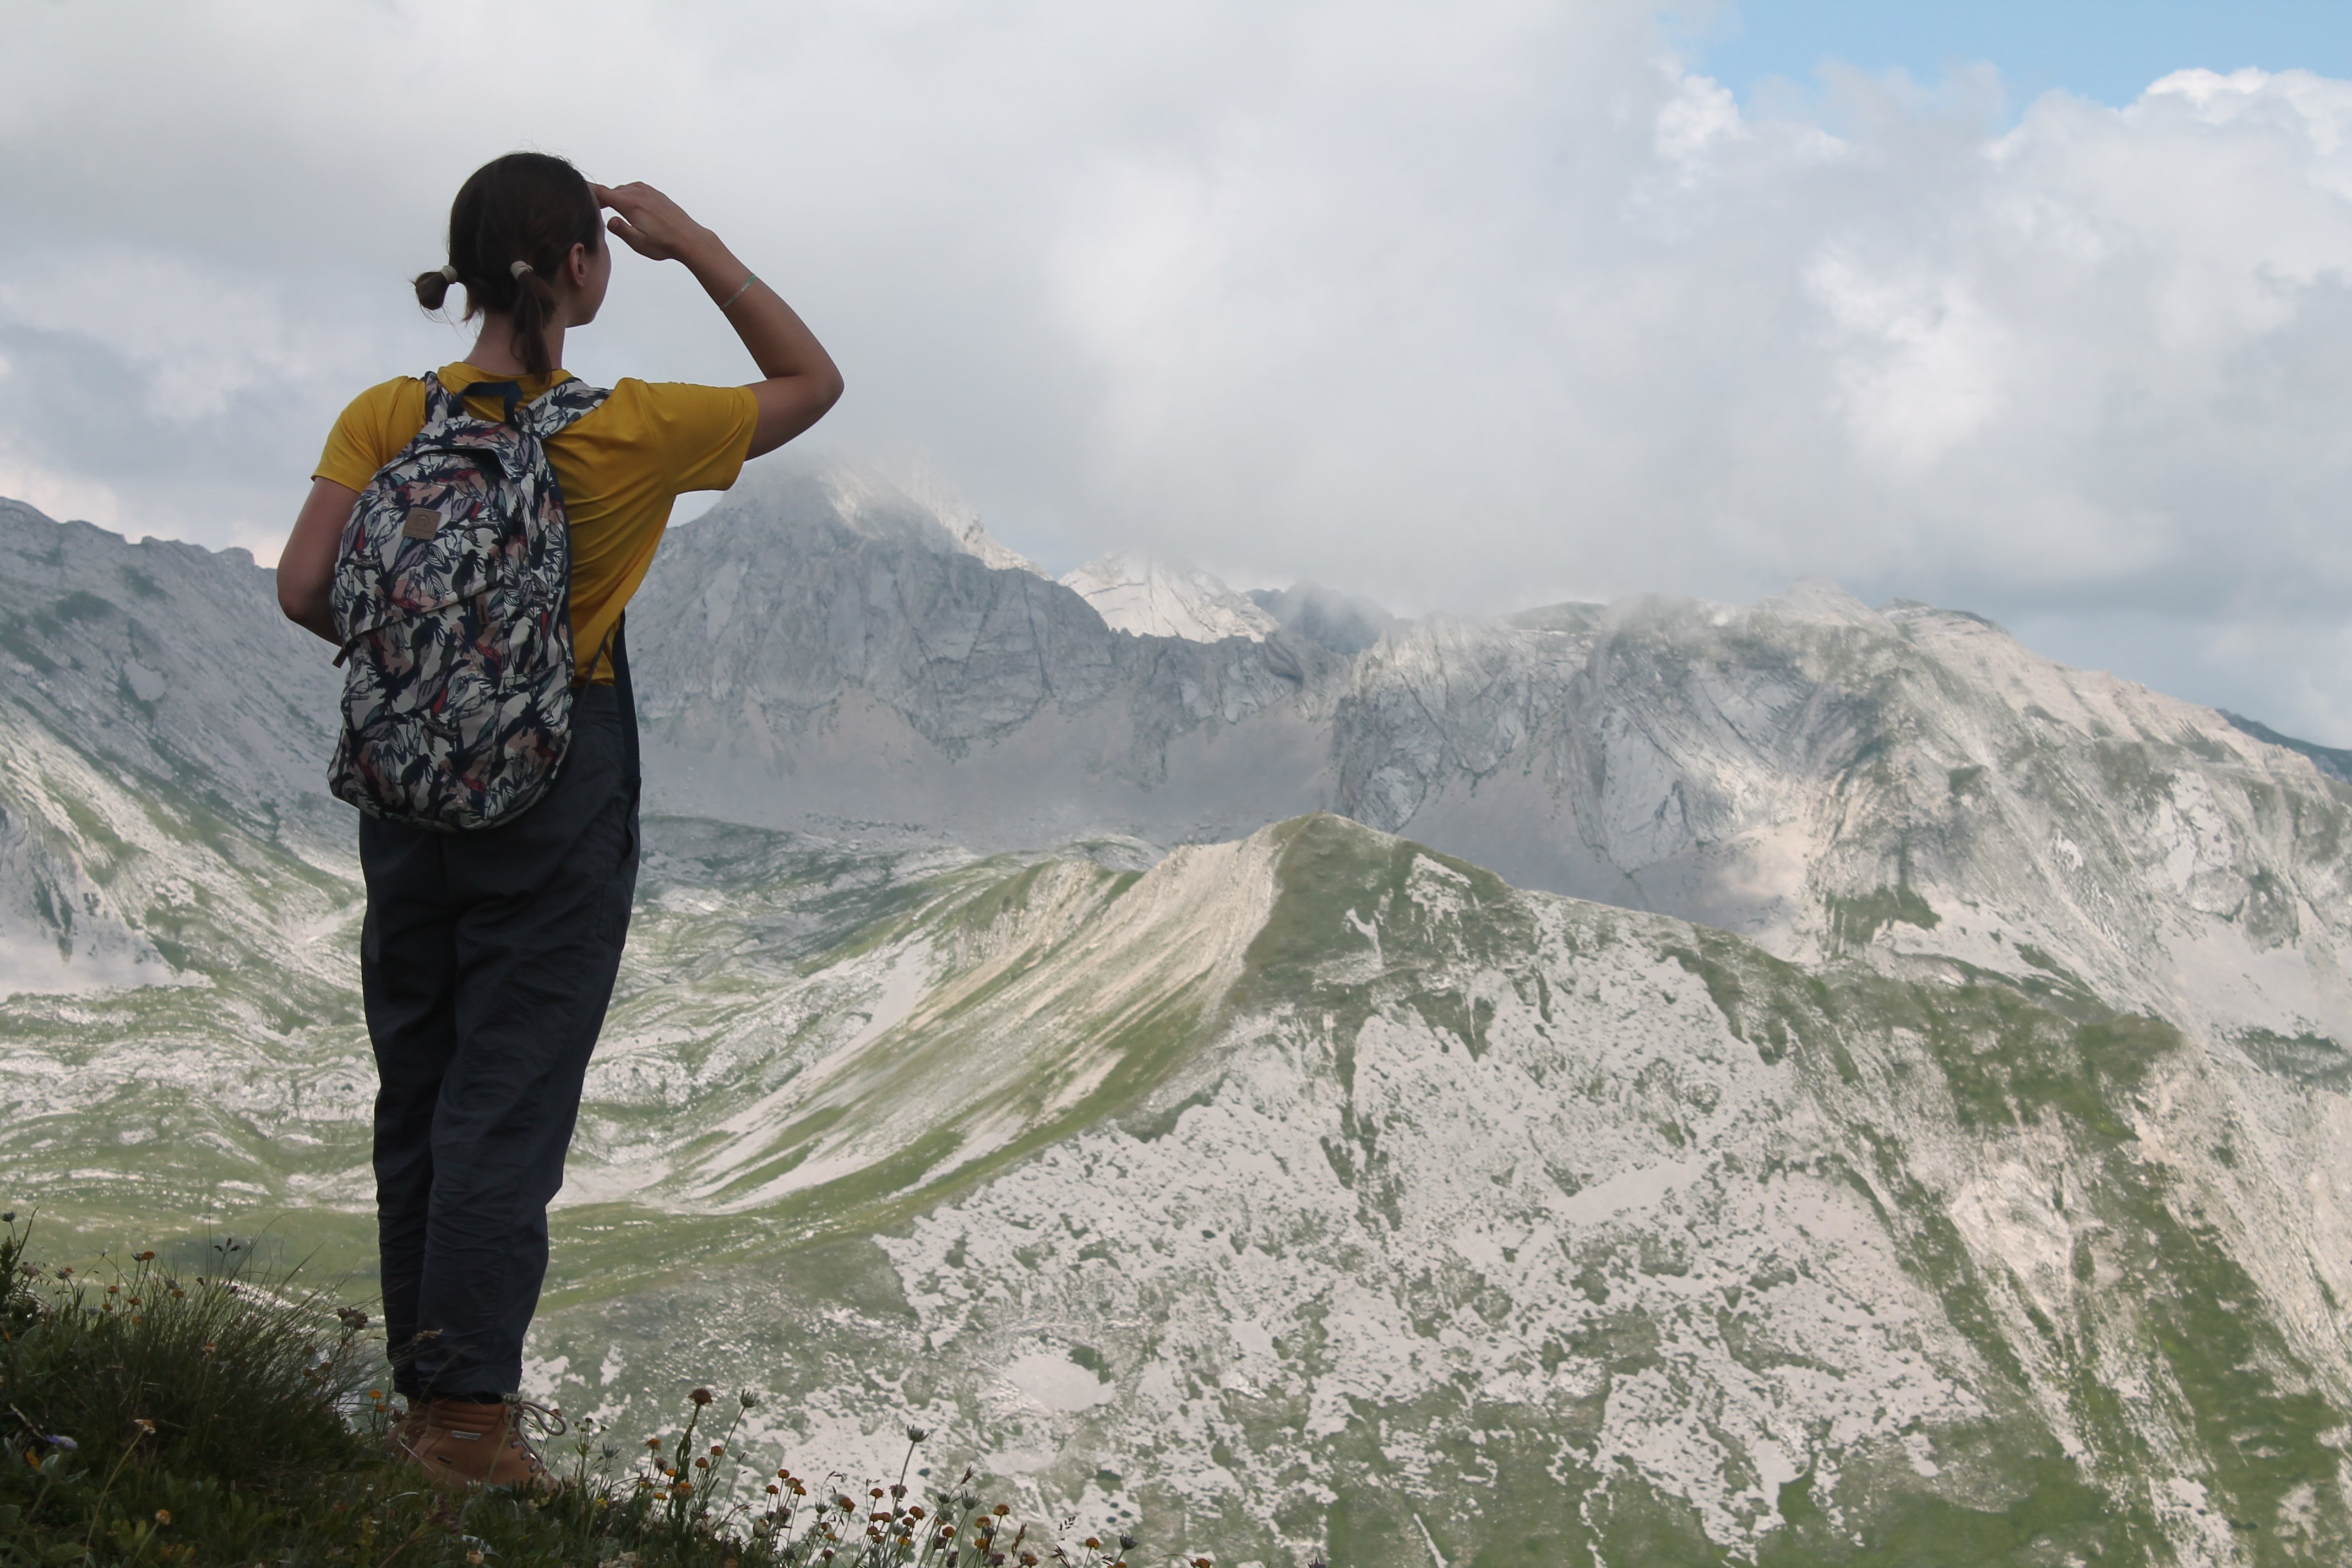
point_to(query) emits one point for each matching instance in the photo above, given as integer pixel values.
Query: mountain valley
(1652, 1083)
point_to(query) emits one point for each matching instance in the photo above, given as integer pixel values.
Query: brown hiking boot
(463, 1444)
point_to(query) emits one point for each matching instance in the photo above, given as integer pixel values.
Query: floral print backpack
(453, 597)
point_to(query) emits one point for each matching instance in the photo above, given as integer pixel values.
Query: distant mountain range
(1810, 772)
(1654, 1082)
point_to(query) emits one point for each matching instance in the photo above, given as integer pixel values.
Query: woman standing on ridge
(489, 952)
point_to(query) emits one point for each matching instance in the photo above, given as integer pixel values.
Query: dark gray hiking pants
(487, 962)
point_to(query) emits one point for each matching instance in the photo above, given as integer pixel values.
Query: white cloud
(73, 496)
(1700, 114)
(198, 337)
(1457, 306)
(1922, 364)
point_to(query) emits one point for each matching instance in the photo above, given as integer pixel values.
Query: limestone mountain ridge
(1809, 772)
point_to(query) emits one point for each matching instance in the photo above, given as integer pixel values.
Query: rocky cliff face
(798, 665)
(161, 728)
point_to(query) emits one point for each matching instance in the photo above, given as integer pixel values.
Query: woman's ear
(585, 273)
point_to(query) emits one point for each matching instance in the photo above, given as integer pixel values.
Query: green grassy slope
(1320, 1193)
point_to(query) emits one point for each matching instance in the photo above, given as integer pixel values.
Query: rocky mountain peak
(1818, 600)
(1135, 591)
(906, 502)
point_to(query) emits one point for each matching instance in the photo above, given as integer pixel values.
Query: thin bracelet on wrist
(749, 279)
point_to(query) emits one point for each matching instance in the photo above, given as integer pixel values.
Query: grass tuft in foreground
(157, 1418)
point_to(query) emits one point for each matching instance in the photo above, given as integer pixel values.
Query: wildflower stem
(98, 1508)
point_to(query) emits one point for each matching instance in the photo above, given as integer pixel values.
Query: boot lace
(546, 1418)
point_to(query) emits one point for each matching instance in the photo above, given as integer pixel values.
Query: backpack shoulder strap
(441, 404)
(559, 409)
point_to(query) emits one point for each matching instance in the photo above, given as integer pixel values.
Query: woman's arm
(306, 567)
(803, 380)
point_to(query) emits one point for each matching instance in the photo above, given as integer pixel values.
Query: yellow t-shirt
(620, 467)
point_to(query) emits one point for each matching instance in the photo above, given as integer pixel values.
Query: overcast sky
(1466, 306)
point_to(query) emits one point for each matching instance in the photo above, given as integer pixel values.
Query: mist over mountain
(1340, 622)
(1659, 1081)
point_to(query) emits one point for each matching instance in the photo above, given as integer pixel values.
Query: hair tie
(449, 275)
(520, 268)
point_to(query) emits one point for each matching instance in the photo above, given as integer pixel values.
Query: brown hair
(530, 208)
